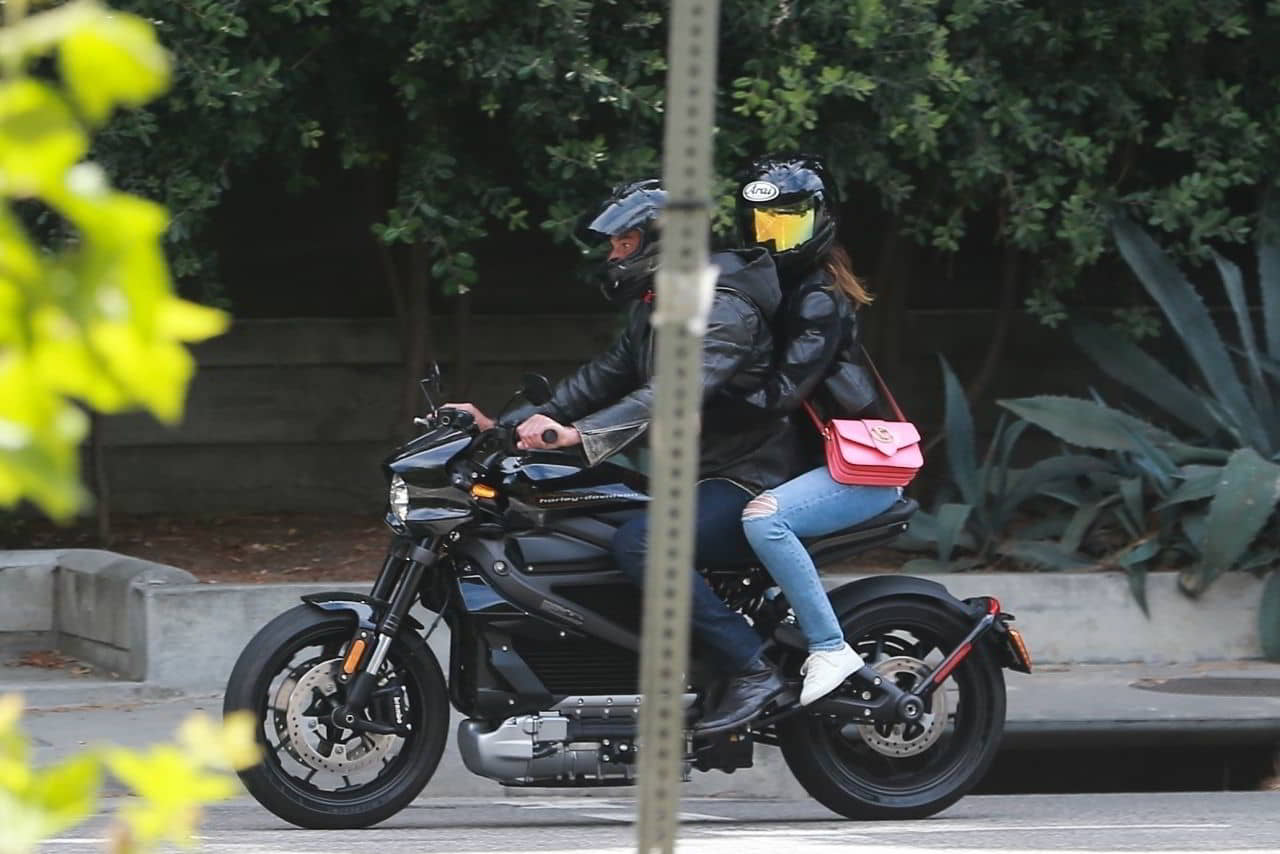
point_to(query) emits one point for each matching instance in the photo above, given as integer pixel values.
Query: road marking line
(933, 827)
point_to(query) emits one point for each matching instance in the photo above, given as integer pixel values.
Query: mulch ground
(261, 547)
(242, 547)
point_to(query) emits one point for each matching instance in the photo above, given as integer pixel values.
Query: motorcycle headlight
(399, 497)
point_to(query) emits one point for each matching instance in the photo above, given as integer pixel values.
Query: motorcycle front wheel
(312, 773)
(877, 771)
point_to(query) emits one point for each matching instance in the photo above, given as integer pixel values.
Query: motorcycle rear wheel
(876, 772)
(284, 678)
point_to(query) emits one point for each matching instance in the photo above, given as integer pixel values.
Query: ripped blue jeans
(810, 505)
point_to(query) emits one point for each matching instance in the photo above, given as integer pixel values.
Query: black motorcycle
(511, 550)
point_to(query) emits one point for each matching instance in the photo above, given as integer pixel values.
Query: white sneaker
(824, 671)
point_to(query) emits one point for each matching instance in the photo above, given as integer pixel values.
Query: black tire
(849, 776)
(396, 782)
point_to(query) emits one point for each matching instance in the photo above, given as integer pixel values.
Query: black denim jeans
(719, 542)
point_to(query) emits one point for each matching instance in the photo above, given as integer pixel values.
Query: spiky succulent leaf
(1086, 423)
(1133, 560)
(961, 454)
(1131, 490)
(1198, 482)
(1233, 284)
(1247, 492)
(1082, 520)
(951, 521)
(1188, 316)
(1033, 480)
(1123, 360)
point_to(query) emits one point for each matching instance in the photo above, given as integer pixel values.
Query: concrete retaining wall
(195, 632)
(148, 622)
(1093, 618)
(90, 601)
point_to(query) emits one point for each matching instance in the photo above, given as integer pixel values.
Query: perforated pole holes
(684, 289)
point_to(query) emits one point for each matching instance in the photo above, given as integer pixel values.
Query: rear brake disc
(912, 739)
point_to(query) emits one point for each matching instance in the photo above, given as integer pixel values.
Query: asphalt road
(1016, 824)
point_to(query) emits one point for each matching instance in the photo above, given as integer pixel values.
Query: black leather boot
(743, 699)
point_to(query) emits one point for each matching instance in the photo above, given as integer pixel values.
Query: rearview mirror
(535, 388)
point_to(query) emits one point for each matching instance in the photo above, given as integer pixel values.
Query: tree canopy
(942, 114)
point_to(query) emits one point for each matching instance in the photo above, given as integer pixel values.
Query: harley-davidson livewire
(511, 550)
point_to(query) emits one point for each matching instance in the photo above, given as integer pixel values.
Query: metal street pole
(684, 288)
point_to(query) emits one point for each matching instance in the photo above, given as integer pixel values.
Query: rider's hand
(484, 422)
(530, 433)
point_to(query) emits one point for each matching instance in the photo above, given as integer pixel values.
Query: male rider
(607, 404)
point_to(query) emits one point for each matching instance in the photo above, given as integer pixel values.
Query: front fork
(396, 587)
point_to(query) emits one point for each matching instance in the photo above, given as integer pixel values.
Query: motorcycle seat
(876, 531)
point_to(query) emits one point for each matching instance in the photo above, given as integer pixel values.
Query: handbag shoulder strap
(884, 389)
(813, 414)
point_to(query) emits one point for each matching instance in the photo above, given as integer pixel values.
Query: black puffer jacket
(610, 399)
(819, 359)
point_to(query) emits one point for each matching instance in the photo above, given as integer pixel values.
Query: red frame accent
(952, 662)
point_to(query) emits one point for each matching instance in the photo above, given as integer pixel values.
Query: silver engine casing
(535, 749)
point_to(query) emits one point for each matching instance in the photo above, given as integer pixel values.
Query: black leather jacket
(819, 359)
(609, 399)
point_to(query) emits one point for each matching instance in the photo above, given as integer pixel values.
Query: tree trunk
(1005, 312)
(888, 313)
(460, 383)
(100, 486)
(418, 350)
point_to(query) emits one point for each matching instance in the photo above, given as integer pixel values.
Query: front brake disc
(352, 751)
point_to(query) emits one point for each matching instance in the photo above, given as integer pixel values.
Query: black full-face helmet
(787, 204)
(632, 206)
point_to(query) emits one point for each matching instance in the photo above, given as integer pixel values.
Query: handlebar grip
(422, 422)
(550, 435)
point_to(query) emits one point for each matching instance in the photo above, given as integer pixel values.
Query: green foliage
(1044, 114)
(982, 523)
(463, 114)
(93, 319)
(172, 782)
(1201, 505)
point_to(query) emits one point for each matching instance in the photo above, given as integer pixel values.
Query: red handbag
(868, 451)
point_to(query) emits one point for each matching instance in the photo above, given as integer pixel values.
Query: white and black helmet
(787, 204)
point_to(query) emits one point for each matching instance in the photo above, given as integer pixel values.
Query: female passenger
(787, 205)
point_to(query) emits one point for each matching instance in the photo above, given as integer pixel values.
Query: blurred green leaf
(113, 60)
(39, 138)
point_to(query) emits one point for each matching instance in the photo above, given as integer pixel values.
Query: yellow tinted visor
(785, 229)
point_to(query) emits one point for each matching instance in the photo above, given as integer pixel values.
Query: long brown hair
(841, 270)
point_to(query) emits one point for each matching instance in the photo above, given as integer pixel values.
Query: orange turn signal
(481, 490)
(354, 655)
(1020, 649)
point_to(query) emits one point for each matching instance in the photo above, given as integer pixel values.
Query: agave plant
(1202, 502)
(973, 520)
